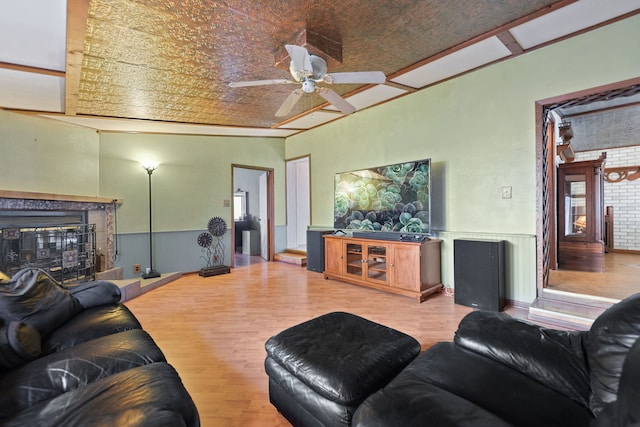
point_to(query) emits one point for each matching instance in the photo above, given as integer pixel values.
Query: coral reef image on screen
(387, 198)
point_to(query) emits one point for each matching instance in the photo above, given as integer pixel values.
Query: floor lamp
(150, 272)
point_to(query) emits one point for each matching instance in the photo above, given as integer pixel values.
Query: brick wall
(624, 196)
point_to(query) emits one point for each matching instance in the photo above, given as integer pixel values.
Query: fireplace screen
(66, 252)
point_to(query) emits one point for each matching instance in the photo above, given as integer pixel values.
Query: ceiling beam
(510, 43)
(77, 15)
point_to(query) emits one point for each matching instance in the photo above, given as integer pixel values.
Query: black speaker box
(315, 249)
(479, 273)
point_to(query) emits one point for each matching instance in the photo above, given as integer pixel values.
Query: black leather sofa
(75, 356)
(500, 371)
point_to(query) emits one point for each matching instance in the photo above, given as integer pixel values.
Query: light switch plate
(506, 192)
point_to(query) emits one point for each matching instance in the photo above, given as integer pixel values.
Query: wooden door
(405, 266)
(333, 256)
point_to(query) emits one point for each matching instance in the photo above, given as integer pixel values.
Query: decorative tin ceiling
(172, 61)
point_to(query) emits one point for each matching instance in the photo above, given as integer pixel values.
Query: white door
(298, 206)
(264, 217)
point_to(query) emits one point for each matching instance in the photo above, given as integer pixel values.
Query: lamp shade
(149, 165)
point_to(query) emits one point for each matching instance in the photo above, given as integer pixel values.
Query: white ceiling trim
(474, 56)
(570, 19)
(145, 126)
(31, 91)
(311, 120)
(371, 96)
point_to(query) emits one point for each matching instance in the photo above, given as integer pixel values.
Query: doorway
(252, 228)
(298, 203)
(622, 263)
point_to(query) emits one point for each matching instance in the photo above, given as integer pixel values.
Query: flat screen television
(386, 198)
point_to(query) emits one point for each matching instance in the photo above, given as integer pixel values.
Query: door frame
(270, 208)
(543, 171)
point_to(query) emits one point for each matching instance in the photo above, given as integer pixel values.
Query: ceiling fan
(310, 70)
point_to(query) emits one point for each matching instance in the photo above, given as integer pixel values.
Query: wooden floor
(213, 329)
(620, 279)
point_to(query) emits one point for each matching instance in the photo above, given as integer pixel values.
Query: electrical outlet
(506, 192)
(137, 268)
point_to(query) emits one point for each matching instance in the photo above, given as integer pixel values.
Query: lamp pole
(150, 273)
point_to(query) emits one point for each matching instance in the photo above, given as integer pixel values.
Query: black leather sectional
(77, 357)
(498, 371)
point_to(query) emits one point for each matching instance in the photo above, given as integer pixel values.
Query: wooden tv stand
(406, 268)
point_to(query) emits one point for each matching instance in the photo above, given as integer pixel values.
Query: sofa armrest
(552, 357)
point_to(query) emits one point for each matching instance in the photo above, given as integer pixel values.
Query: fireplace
(70, 237)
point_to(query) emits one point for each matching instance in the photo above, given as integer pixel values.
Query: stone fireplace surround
(100, 211)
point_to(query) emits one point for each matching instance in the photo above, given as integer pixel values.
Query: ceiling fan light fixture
(308, 86)
(308, 70)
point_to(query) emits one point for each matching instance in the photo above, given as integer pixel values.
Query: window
(239, 205)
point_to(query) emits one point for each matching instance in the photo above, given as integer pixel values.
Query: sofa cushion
(555, 358)
(402, 404)
(19, 344)
(90, 324)
(150, 395)
(610, 338)
(624, 411)
(57, 373)
(97, 292)
(35, 298)
(483, 387)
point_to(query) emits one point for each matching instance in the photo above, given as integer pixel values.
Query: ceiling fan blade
(300, 58)
(371, 77)
(260, 83)
(336, 100)
(288, 103)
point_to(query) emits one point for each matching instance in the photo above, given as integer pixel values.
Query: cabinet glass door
(377, 263)
(575, 205)
(354, 259)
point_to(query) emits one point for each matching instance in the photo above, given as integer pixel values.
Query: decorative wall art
(212, 244)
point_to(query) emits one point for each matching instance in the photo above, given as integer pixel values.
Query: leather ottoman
(321, 370)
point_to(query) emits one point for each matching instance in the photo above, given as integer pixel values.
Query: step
(131, 288)
(116, 273)
(576, 298)
(291, 257)
(564, 314)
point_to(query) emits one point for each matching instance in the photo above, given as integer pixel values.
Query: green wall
(192, 181)
(189, 187)
(479, 131)
(45, 156)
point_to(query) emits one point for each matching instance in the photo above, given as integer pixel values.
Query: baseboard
(626, 251)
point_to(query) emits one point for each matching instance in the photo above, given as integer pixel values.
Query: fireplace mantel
(9, 194)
